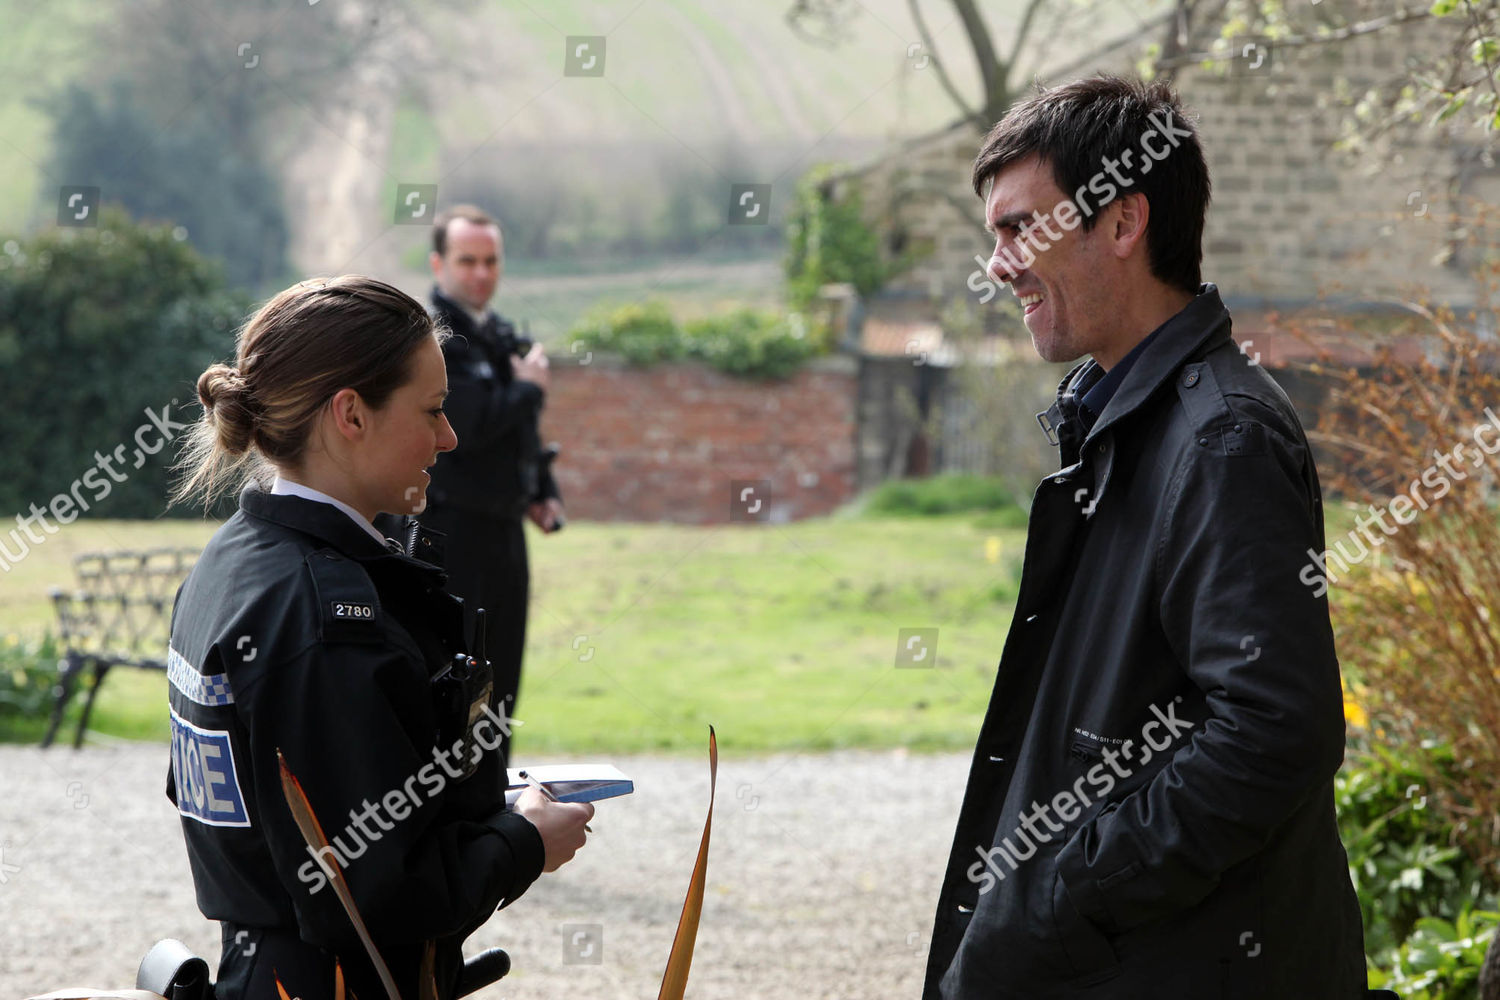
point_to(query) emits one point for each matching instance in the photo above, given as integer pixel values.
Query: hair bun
(227, 405)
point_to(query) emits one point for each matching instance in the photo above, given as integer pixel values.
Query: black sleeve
(484, 409)
(355, 723)
(1236, 531)
(546, 485)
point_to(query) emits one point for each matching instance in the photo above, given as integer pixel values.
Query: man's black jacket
(496, 469)
(1169, 691)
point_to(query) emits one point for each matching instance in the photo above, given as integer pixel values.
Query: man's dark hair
(1076, 126)
(469, 213)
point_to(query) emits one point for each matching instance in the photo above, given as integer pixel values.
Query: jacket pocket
(1085, 751)
(1090, 956)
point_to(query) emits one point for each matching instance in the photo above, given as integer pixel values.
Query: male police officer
(481, 491)
(1149, 812)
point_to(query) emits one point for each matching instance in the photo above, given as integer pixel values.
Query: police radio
(462, 691)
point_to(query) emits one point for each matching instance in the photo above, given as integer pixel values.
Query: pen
(548, 793)
(537, 785)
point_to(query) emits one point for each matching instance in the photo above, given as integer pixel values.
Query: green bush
(643, 333)
(1421, 897)
(828, 241)
(949, 493)
(202, 171)
(28, 671)
(751, 342)
(1012, 516)
(96, 326)
(745, 342)
(1441, 960)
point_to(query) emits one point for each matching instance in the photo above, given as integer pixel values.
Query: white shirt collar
(285, 487)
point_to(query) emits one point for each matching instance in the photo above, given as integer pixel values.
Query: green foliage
(829, 241)
(27, 672)
(643, 333)
(198, 173)
(751, 342)
(1434, 88)
(1441, 960)
(1403, 860)
(131, 703)
(950, 493)
(1476, 19)
(745, 342)
(97, 326)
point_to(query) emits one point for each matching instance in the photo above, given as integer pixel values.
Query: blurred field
(782, 636)
(550, 297)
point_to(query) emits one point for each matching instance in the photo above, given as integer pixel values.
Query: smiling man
(1149, 811)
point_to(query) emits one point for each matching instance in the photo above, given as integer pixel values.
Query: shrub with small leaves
(745, 342)
(28, 671)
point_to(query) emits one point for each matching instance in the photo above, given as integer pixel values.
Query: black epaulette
(426, 544)
(1214, 425)
(348, 604)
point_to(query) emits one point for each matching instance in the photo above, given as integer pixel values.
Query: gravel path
(823, 873)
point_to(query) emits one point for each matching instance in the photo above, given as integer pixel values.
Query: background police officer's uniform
(480, 491)
(300, 629)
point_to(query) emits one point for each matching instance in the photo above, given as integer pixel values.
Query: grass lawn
(781, 636)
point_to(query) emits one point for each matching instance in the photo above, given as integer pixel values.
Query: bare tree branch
(970, 212)
(1489, 71)
(1402, 17)
(1135, 34)
(815, 10)
(1175, 39)
(882, 158)
(936, 63)
(1061, 27)
(991, 71)
(1021, 33)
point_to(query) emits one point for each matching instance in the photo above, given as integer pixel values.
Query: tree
(1215, 32)
(98, 326)
(1001, 69)
(303, 93)
(230, 204)
(1462, 75)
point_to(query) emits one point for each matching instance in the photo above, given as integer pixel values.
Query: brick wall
(666, 442)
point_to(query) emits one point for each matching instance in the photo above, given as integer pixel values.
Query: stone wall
(1292, 219)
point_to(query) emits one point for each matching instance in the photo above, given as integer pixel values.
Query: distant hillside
(695, 96)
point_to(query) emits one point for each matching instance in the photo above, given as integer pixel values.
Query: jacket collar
(323, 522)
(288, 487)
(1199, 327)
(1202, 325)
(459, 319)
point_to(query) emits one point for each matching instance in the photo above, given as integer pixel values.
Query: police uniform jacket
(297, 631)
(1149, 811)
(496, 470)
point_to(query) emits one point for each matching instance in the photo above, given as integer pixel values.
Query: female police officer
(302, 630)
